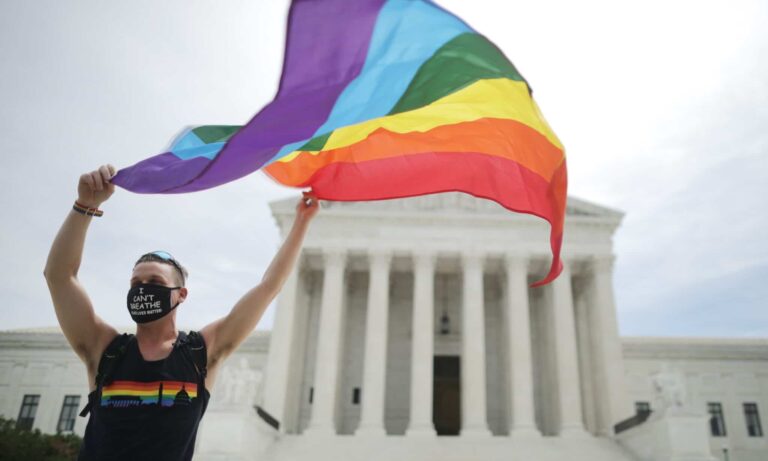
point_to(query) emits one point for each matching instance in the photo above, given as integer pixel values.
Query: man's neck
(157, 332)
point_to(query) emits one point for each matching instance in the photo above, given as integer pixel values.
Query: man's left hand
(307, 206)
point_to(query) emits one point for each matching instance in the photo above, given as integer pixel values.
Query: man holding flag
(148, 391)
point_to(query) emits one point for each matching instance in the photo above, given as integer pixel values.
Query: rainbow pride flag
(383, 99)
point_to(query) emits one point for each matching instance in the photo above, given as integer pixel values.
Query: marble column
(589, 398)
(520, 411)
(375, 362)
(422, 346)
(474, 421)
(329, 340)
(566, 356)
(281, 349)
(614, 404)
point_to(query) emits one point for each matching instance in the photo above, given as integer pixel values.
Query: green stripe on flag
(215, 133)
(316, 144)
(462, 61)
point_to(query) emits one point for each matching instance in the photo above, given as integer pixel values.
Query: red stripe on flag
(502, 180)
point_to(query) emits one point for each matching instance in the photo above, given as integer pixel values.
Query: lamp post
(445, 324)
(445, 321)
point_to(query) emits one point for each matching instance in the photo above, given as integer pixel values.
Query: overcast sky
(662, 107)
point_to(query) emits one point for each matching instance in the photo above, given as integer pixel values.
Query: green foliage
(22, 445)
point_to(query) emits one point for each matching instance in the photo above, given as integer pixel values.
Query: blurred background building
(409, 331)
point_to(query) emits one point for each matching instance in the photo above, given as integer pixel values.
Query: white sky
(662, 107)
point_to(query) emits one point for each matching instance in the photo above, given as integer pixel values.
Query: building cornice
(696, 348)
(448, 206)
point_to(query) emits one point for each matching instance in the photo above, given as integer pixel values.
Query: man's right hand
(95, 187)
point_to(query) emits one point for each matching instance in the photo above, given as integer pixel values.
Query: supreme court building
(408, 331)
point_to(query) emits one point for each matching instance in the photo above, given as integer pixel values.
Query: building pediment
(444, 203)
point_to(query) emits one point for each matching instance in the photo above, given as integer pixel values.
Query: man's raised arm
(86, 332)
(224, 335)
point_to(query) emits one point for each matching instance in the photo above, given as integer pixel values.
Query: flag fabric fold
(383, 99)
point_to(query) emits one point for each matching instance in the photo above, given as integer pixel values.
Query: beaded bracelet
(80, 208)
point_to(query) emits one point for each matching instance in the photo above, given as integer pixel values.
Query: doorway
(446, 408)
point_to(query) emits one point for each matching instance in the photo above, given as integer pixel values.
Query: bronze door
(446, 410)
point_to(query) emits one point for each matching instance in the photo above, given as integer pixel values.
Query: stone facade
(729, 372)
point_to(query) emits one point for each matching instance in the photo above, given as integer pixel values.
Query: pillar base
(370, 431)
(525, 432)
(574, 432)
(319, 431)
(475, 432)
(421, 431)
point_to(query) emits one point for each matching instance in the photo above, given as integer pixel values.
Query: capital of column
(602, 263)
(517, 262)
(333, 256)
(379, 257)
(567, 267)
(424, 258)
(473, 258)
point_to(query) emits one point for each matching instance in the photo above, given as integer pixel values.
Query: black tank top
(147, 409)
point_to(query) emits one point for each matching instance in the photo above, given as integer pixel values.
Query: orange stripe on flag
(492, 136)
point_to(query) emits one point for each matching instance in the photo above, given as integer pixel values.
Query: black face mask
(148, 302)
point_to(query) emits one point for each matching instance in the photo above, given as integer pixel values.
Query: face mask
(148, 302)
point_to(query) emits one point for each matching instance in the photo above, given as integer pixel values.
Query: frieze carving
(458, 201)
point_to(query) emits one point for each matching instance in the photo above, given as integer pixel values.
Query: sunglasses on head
(165, 256)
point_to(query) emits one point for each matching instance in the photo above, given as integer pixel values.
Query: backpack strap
(110, 359)
(193, 346)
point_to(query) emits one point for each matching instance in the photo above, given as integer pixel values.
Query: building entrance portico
(414, 318)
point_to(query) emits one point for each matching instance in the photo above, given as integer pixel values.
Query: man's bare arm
(224, 335)
(86, 332)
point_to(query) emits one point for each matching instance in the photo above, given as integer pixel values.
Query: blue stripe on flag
(407, 32)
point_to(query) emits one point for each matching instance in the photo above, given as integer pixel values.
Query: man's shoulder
(118, 343)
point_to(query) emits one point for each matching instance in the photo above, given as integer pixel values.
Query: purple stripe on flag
(160, 173)
(312, 80)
